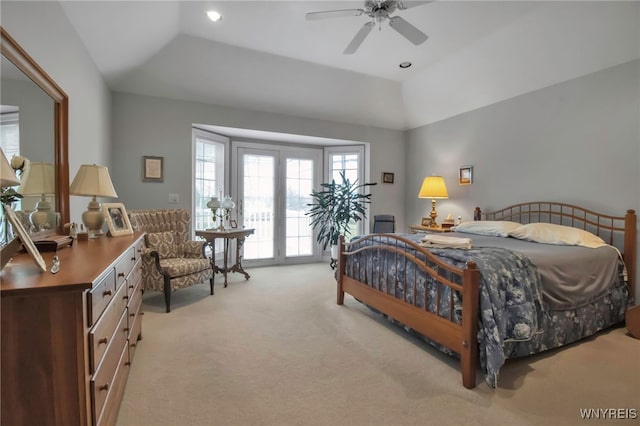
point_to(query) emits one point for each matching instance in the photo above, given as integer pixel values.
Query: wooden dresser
(68, 339)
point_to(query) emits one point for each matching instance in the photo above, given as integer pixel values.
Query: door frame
(315, 153)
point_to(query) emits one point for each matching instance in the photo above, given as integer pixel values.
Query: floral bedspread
(513, 318)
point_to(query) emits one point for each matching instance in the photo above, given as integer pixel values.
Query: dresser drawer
(103, 378)
(100, 295)
(109, 413)
(124, 266)
(135, 278)
(138, 248)
(135, 334)
(101, 335)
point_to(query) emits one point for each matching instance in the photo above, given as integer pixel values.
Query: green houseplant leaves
(336, 207)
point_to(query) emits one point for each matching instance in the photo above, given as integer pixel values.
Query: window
(208, 174)
(349, 159)
(10, 139)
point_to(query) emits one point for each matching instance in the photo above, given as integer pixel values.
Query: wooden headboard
(618, 231)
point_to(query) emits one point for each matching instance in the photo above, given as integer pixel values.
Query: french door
(274, 184)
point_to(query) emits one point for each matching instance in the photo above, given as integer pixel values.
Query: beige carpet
(277, 350)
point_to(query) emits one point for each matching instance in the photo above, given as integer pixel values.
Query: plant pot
(334, 251)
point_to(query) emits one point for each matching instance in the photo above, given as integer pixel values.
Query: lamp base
(42, 217)
(433, 214)
(93, 219)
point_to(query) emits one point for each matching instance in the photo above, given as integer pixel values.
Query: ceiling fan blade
(402, 5)
(407, 30)
(359, 38)
(313, 16)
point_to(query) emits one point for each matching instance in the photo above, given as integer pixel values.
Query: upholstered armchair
(170, 261)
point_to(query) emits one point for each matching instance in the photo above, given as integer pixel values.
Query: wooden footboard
(380, 293)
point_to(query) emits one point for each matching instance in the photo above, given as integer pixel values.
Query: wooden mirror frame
(11, 50)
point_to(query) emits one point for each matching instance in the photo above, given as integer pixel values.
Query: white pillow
(550, 233)
(495, 228)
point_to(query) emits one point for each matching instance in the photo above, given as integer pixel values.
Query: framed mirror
(59, 129)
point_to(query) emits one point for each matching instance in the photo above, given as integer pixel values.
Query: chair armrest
(151, 256)
(194, 249)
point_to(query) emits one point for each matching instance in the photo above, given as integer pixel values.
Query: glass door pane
(299, 184)
(257, 186)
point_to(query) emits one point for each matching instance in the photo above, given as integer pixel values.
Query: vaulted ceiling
(264, 55)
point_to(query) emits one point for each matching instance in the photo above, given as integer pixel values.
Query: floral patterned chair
(170, 261)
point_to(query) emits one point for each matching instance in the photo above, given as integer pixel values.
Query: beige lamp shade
(7, 177)
(433, 187)
(38, 180)
(93, 181)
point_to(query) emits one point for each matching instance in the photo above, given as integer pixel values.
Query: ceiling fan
(379, 11)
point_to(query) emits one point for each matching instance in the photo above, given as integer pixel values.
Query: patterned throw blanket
(510, 294)
(510, 301)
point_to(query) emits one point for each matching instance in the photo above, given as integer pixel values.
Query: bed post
(470, 303)
(630, 241)
(341, 269)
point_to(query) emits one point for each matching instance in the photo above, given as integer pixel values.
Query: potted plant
(335, 208)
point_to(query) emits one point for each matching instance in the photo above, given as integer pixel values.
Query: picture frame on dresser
(115, 215)
(24, 237)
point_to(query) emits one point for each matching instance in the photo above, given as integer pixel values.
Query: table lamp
(433, 187)
(93, 181)
(7, 177)
(39, 179)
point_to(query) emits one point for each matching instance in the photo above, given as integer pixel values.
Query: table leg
(226, 260)
(238, 266)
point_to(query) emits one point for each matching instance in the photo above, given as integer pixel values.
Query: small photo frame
(233, 224)
(426, 221)
(152, 169)
(387, 177)
(465, 176)
(117, 219)
(26, 240)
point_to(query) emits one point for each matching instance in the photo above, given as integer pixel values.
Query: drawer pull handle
(104, 340)
(120, 274)
(133, 345)
(125, 329)
(106, 293)
(133, 258)
(125, 297)
(131, 286)
(104, 387)
(132, 315)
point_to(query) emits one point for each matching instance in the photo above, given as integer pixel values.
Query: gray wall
(144, 125)
(43, 30)
(576, 142)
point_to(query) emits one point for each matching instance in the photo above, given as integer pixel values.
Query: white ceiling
(264, 55)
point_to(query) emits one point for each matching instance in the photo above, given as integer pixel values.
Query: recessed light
(405, 64)
(214, 15)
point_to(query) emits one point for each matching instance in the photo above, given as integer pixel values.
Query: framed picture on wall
(152, 169)
(465, 176)
(387, 177)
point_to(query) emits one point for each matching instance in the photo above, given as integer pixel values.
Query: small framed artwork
(426, 221)
(117, 220)
(233, 224)
(387, 177)
(25, 239)
(465, 176)
(152, 169)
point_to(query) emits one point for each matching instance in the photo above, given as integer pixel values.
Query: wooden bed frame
(462, 338)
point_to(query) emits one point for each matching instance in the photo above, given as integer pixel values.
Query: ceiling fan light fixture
(405, 64)
(214, 15)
